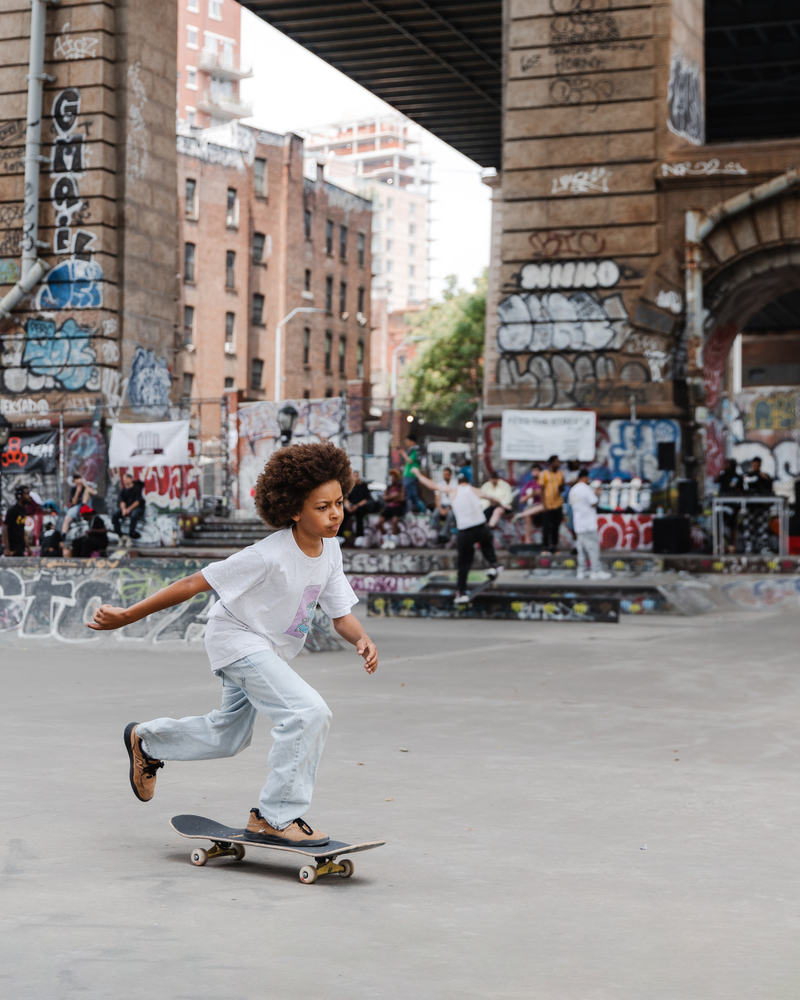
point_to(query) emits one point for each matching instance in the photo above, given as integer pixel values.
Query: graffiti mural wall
(761, 424)
(52, 599)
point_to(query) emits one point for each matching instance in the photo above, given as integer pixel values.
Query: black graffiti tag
(566, 243)
(66, 108)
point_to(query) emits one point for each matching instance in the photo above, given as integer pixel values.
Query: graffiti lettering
(48, 358)
(9, 131)
(582, 181)
(580, 90)
(20, 407)
(12, 159)
(627, 448)
(685, 115)
(559, 322)
(556, 381)
(705, 168)
(528, 62)
(563, 243)
(570, 274)
(582, 21)
(670, 300)
(9, 272)
(84, 47)
(150, 380)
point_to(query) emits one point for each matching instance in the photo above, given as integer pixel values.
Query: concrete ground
(543, 758)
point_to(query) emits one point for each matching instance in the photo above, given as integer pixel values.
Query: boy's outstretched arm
(108, 617)
(351, 629)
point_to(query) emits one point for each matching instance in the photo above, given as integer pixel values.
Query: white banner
(164, 443)
(535, 435)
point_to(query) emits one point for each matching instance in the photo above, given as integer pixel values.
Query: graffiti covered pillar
(100, 328)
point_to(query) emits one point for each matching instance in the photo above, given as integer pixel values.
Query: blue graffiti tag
(150, 380)
(72, 284)
(64, 354)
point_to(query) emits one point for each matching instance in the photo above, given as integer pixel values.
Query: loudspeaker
(666, 456)
(687, 497)
(671, 535)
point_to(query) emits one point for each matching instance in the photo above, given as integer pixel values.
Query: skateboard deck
(486, 583)
(229, 841)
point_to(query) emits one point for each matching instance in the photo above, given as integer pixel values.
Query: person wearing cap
(17, 543)
(82, 493)
(50, 540)
(72, 546)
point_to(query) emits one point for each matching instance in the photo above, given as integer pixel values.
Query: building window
(411, 229)
(215, 9)
(232, 209)
(256, 373)
(188, 325)
(258, 247)
(412, 291)
(306, 394)
(228, 383)
(191, 78)
(360, 359)
(389, 288)
(390, 203)
(328, 349)
(343, 242)
(388, 267)
(188, 378)
(260, 176)
(412, 209)
(306, 345)
(191, 38)
(411, 270)
(328, 393)
(329, 237)
(307, 224)
(230, 269)
(258, 309)
(329, 294)
(342, 353)
(230, 321)
(193, 6)
(342, 296)
(307, 281)
(361, 245)
(389, 225)
(389, 246)
(191, 191)
(412, 250)
(188, 261)
(361, 300)
(191, 116)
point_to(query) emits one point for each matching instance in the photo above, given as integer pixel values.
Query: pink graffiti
(633, 532)
(715, 354)
(715, 448)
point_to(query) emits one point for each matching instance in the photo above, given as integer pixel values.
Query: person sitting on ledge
(131, 505)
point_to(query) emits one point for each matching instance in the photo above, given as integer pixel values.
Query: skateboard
(230, 842)
(486, 583)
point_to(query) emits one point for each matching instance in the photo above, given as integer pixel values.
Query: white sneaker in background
(461, 599)
(581, 574)
(600, 575)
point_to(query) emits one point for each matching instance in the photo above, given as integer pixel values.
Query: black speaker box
(671, 535)
(666, 456)
(687, 497)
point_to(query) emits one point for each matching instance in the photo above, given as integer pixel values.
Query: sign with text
(27, 451)
(165, 443)
(535, 435)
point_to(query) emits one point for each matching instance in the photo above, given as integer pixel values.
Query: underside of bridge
(437, 61)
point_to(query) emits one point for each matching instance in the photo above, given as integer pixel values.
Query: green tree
(444, 382)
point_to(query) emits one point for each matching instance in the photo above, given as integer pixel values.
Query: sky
(292, 89)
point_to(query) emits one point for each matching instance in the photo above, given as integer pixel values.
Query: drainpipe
(699, 226)
(22, 287)
(33, 136)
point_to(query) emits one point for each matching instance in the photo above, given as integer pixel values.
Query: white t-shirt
(467, 508)
(444, 498)
(583, 501)
(268, 593)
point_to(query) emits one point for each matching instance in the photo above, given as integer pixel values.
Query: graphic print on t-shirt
(305, 613)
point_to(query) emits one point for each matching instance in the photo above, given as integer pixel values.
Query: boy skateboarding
(267, 593)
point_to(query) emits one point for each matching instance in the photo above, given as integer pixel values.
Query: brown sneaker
(143, 768)
(297, 834)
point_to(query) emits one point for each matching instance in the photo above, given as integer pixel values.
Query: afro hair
(292, 474)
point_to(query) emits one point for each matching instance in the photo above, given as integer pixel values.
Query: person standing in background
(411, 457)
(552, 483)
(17, 544)
(583, 501)
(355, 506)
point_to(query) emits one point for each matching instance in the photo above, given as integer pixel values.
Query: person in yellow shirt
(502, 498)
(552, 483)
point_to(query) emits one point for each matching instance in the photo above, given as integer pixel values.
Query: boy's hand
(108, 617)
(366, 648)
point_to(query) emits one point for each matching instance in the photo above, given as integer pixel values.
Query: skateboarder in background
(472, 529)
(267, 593)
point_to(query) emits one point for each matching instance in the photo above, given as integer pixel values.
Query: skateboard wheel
(239, 851)
(199, 856)
(308, 874)
(348, 866)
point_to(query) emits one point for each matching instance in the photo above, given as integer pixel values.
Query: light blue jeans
(261, 682)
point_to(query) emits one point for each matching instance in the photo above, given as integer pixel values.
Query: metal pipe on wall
(33, 136)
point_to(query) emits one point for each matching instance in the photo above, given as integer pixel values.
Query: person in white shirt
(472, 528)
(267, 595)
(583, 501)
(500, 498)
(444, 508)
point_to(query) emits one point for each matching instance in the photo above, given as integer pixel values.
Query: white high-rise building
(381, 158)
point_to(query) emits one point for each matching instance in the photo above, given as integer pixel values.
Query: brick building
(258, 240)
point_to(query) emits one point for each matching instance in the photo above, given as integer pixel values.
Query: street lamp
(287, 418)
(278, 352)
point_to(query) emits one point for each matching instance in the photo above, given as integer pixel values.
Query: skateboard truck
(307, 874)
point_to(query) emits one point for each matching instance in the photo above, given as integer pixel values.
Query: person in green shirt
(411, 457)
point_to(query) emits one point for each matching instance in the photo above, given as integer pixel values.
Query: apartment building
(259, 240)
(209, 64)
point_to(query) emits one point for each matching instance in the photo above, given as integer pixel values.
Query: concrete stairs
(225, 533)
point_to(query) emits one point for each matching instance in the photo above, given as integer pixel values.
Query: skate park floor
(582, 812)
